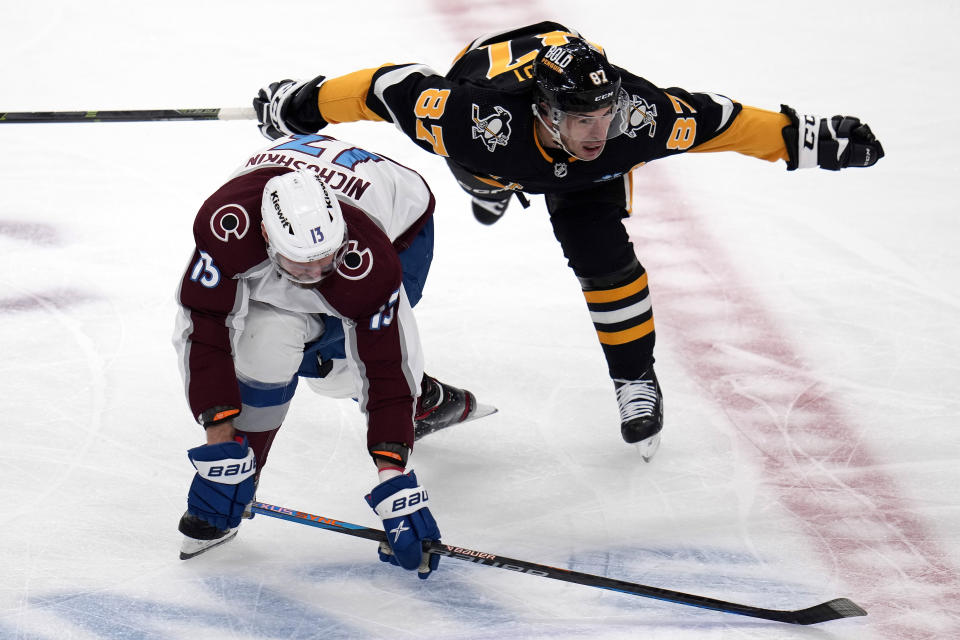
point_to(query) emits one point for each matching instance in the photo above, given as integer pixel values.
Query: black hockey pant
(588, 224)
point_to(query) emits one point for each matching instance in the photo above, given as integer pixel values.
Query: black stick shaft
(135, 115)
(832, 610)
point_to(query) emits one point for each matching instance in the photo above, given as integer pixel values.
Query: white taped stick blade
(236, 113)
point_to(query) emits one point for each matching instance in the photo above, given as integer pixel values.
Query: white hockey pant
(267, 357)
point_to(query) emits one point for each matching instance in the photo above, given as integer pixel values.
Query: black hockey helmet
(578, 98)
(575, 77)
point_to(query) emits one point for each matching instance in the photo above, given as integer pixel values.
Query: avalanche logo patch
(356, 263)
(640, 114)
(494, 129)
(230, 220)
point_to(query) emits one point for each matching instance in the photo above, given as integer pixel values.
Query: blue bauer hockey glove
(223, 484)
(402, 504)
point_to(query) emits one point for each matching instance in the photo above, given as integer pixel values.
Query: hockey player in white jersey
(308, 262)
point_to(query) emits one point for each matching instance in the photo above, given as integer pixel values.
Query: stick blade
(832, 610)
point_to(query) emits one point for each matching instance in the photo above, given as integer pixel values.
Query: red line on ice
(466, 20)
(812, 455)
(36, 233)
(56, 299)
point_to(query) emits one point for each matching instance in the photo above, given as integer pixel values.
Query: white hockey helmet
(304, 224)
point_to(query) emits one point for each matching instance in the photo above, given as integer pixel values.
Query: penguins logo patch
(356, 262)
(640, 114)
(230, 220)
(493, 130)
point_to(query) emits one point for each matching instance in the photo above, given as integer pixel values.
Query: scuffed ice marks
(241, 607)
(304, 601)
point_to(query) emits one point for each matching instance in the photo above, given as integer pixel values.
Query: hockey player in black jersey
(541, 110)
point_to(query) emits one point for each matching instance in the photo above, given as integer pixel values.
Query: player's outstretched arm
(290, 107)
(832, 143)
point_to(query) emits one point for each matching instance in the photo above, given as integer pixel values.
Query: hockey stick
(136, 115)
(832, 610)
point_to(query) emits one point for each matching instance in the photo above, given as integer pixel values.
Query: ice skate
(641, 412)
(489, 210)
(441, 405)
(199, 536)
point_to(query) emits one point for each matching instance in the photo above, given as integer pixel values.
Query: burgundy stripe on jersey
(377, 341)
(210, 294)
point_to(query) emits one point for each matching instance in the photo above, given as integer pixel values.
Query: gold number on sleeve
(684, 129)
(431, 103)
(683, 134)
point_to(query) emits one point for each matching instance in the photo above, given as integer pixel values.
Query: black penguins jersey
(480, 115)
(480, 118)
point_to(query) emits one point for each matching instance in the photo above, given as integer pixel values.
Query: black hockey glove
(829, 143)
(289, 107)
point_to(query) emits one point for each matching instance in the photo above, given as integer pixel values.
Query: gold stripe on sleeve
(343, 99)
(755, 132)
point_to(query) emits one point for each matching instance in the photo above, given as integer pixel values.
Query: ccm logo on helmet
(229, 220)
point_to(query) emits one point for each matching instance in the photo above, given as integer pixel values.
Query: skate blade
(648, 448)
(192, 547)
(482, 411)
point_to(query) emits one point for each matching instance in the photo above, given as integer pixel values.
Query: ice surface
(807, 324)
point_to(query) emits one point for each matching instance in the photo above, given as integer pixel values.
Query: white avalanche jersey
(389, 193)
(384, 206)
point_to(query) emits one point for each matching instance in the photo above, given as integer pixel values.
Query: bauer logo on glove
(224, 482)
(402, 504)
(227, 474)
(405, 503)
